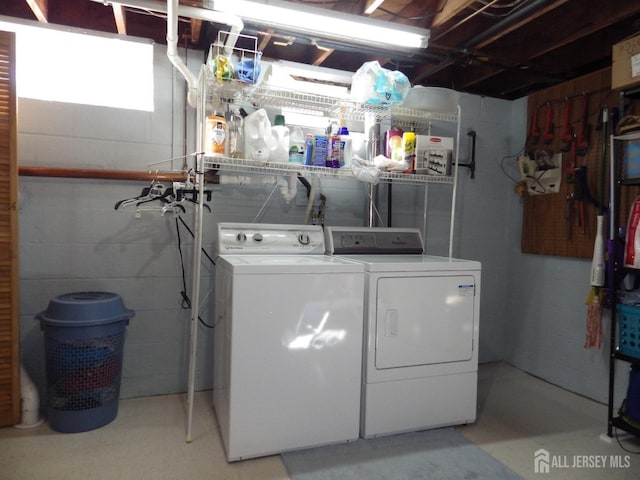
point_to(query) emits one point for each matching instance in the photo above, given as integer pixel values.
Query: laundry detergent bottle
(346, 146)
(258, 137)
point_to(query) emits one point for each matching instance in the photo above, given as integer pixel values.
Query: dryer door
(424, 320)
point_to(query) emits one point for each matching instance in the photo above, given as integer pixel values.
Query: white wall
(72, 239)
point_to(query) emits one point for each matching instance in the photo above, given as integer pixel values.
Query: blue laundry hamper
(84, 343)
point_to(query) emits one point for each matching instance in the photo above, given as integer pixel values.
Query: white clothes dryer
(287, 338)
(421, 331)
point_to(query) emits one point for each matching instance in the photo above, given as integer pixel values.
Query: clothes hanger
(147, 194)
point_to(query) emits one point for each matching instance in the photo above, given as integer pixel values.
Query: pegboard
(560, 223)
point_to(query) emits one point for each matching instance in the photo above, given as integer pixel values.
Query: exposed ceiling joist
(372, 5)
(196, 29)
(448, 10)
(120, 17)
(501, 48)
(40, 9)
(321, 55)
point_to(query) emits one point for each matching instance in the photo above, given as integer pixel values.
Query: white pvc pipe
(287, 185)
(225, 179)
(172, 52)
(30, 402)
(172, 43)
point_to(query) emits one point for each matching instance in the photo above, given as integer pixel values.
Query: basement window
(70, 67)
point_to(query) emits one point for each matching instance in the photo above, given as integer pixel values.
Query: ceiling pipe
(507, 22)
(489, 32)
(464, 20)
(172, 53)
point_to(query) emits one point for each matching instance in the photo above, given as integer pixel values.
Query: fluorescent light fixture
(327, 24)
(373, 5)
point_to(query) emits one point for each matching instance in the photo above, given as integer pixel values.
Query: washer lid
(412, 263)
(297, 264)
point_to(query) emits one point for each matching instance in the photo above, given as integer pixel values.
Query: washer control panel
(269, 239)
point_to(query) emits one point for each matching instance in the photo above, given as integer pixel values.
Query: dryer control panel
(269, 239)
(372, 240)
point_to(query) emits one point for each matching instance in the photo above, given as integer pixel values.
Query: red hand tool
(567, 135)
(582, 142)
(548, 125)
(534, 131)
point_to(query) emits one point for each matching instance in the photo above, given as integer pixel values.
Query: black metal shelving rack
(618, 270)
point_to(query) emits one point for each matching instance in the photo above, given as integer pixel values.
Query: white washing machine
(421, 331)
(287, 338)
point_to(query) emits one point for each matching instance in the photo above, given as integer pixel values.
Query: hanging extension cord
(186, 300)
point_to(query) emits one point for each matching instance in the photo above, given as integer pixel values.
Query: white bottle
(257, 136)
(280, 147)
(346, 146)
(296, 146)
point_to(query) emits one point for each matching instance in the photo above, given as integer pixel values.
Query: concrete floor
(517, 415)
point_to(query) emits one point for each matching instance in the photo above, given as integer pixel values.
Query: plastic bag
(248, 70)
(364, 170)
(375, 85)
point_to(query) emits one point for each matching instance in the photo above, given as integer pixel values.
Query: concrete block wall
(546, 311)
(72, 239)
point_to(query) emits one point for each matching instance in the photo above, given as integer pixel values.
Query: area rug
(440, 454)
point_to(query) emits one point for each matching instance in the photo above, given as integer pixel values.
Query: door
(424, 320)
(9, 315)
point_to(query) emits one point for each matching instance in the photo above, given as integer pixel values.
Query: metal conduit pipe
(496, 27)
(508, 21)
(97, 174)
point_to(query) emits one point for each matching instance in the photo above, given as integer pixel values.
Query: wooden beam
(370, 4)
(196, 28)
(121, 21)
(40, 9)
(321, 55)
(450, 9)
(266, 38)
